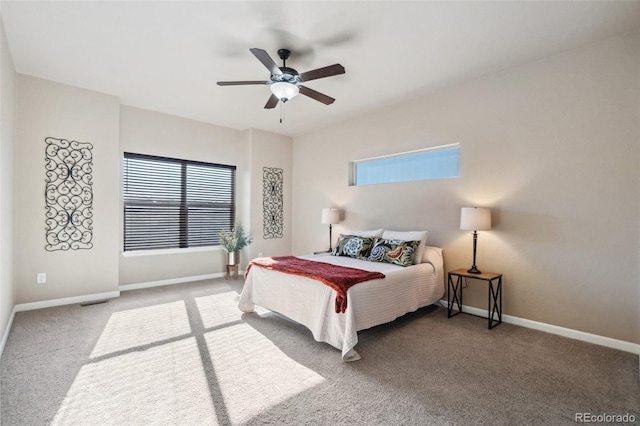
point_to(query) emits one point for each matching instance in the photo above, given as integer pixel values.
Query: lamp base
(474, 270)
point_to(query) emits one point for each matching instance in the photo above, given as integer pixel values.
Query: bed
(312, 303)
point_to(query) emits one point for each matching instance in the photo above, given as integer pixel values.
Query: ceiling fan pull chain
(281, 112)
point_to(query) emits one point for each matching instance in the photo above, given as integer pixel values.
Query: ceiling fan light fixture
(284, 91)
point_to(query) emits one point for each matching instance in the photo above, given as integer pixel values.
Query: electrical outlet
(260, 254)
(41, 278)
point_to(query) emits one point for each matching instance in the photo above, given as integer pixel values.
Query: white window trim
(352, 168)
(415, 151)
(136, 253)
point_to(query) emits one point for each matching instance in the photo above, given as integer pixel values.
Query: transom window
(172, 203)
(432, 163)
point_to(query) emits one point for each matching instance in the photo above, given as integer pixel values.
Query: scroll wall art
(272, 202)
(68, 195)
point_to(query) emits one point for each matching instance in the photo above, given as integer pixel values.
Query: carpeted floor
(184, 354)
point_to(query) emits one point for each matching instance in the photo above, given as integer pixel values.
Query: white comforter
(370, 303)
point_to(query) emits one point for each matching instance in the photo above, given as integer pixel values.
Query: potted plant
(233, 242)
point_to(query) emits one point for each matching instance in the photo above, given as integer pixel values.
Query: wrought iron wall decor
(68, 195)
(272, 202)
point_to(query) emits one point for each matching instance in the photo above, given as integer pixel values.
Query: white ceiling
(167, 56)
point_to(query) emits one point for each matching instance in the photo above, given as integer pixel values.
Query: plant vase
(233, 258)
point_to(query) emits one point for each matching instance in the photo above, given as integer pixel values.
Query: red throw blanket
(339, 278)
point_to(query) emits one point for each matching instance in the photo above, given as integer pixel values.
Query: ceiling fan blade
(272, 102)
(266, 60)
(320, 97)
(334, 69)
(240, 83)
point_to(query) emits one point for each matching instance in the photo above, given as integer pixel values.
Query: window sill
(138, 253)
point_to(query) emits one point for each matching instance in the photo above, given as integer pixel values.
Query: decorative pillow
(409, 236)
(372, 233)
(394, 251)
(353, 246)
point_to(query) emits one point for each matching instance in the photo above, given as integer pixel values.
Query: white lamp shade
(330, 216)
(475, 219)
(284, 91)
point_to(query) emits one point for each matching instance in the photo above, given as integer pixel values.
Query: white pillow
(373, 233)
(432, 255)
(409, 236)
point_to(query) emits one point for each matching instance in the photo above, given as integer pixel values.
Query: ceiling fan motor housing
(289, 75)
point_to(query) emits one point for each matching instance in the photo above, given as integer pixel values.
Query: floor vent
(95, 302)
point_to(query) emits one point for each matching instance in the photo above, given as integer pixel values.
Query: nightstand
(494, 298)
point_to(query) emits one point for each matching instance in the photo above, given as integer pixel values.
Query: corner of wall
(7, 144)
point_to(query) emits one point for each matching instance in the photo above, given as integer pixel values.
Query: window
(433, 163)
(170, 203)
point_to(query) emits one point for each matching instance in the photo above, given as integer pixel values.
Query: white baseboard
(560, 331)
(126, 287)
(98, 296)
(5, 336)
(51, 303)
(66, 301)
(548, 328)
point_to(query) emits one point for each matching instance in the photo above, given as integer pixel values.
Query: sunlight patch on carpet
(218, 309)
(159, 386)
(142, 326)
(253, 373)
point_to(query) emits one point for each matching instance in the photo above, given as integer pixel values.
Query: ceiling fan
(285, 82)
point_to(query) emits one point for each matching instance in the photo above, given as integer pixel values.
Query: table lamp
(475, 219)
(330, 217)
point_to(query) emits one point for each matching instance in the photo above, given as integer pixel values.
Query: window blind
(173, 203)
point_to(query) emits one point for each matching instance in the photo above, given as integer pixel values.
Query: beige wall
(48, 109)
(152, 133)
(552, 147)
(7, 120)
(275, 151)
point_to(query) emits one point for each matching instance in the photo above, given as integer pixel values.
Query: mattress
(311, 303)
